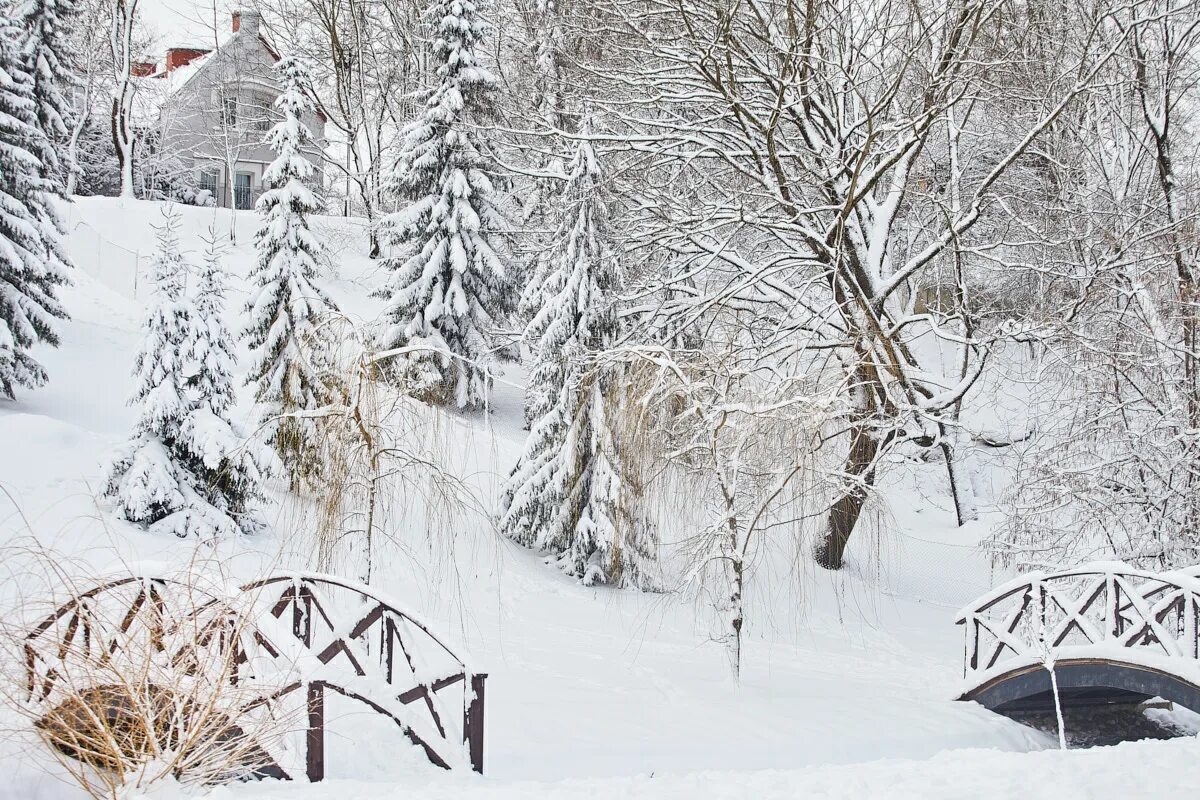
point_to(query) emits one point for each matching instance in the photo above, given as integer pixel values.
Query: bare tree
(787, 154)
(1115, 473)
(122, 21)
(89, 64)
(743, 442)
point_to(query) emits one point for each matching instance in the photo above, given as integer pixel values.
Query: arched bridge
(1112, 634)
(265, 656)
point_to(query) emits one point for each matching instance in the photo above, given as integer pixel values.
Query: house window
(229, 111)
(264, 117)
(208, 182)
(241, 191)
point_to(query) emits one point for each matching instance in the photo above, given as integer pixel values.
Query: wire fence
(113, 265)
(125, 270)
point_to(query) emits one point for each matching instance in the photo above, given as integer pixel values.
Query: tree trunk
(120, 136)
(844, 514)
(374, 250)
(73, 156)
(962, 492)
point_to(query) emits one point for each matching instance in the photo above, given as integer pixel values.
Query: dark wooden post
(302, 615)
(473, 724)
(316, 731)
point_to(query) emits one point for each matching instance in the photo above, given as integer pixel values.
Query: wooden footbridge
(1111, 634)
(282, 645)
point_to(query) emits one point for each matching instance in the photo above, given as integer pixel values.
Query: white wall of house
(219, 116)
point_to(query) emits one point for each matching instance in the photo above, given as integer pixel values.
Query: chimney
(142, 69)
(181, 56)
(250, 20)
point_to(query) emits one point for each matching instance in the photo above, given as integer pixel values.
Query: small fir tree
(448, 283)
(571, 493)
(211, 351)
(231, 469)
(184, 470)
(285, 307)
(32, 259)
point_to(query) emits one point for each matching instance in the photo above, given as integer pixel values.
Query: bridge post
(473, 723)
(315, 737)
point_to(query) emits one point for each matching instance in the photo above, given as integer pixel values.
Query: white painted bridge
(1111, 633)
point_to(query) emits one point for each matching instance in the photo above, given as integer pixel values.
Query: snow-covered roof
(150, 95)
(178, 77)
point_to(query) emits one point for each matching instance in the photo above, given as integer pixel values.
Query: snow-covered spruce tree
(183, 471)
(43, 45)
(571, 494)
(448, 283)
(542, 211)
(284, 308)
(545, 28)
(231, 468)
(32, 261)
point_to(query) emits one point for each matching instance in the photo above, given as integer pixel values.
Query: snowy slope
(584, 683)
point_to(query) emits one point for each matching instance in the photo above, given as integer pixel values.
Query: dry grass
(377, 449)
(131, 682)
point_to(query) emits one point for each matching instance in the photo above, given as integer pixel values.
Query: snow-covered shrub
(185, 470)
(97, 171)
(191, 196)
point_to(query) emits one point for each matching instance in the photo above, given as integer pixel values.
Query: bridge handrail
(1187, 579)
(236, 632)
(366, 591)
(1136, 604)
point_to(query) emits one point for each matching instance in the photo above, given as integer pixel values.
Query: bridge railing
(1092, 610)
(284, 640)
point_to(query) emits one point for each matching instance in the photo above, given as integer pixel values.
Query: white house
(215, 107)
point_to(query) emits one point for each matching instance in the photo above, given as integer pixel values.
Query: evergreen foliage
(571, 494)
(185, 470)
(32, 259)
(42, 45)
(448, 282)
(285, 307)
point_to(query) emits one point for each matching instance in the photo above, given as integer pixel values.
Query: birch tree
(122, 21)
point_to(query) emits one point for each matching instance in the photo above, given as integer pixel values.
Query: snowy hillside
(598, 687)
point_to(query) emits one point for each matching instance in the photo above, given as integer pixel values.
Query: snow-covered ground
(1130, 770)
(591, 692)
